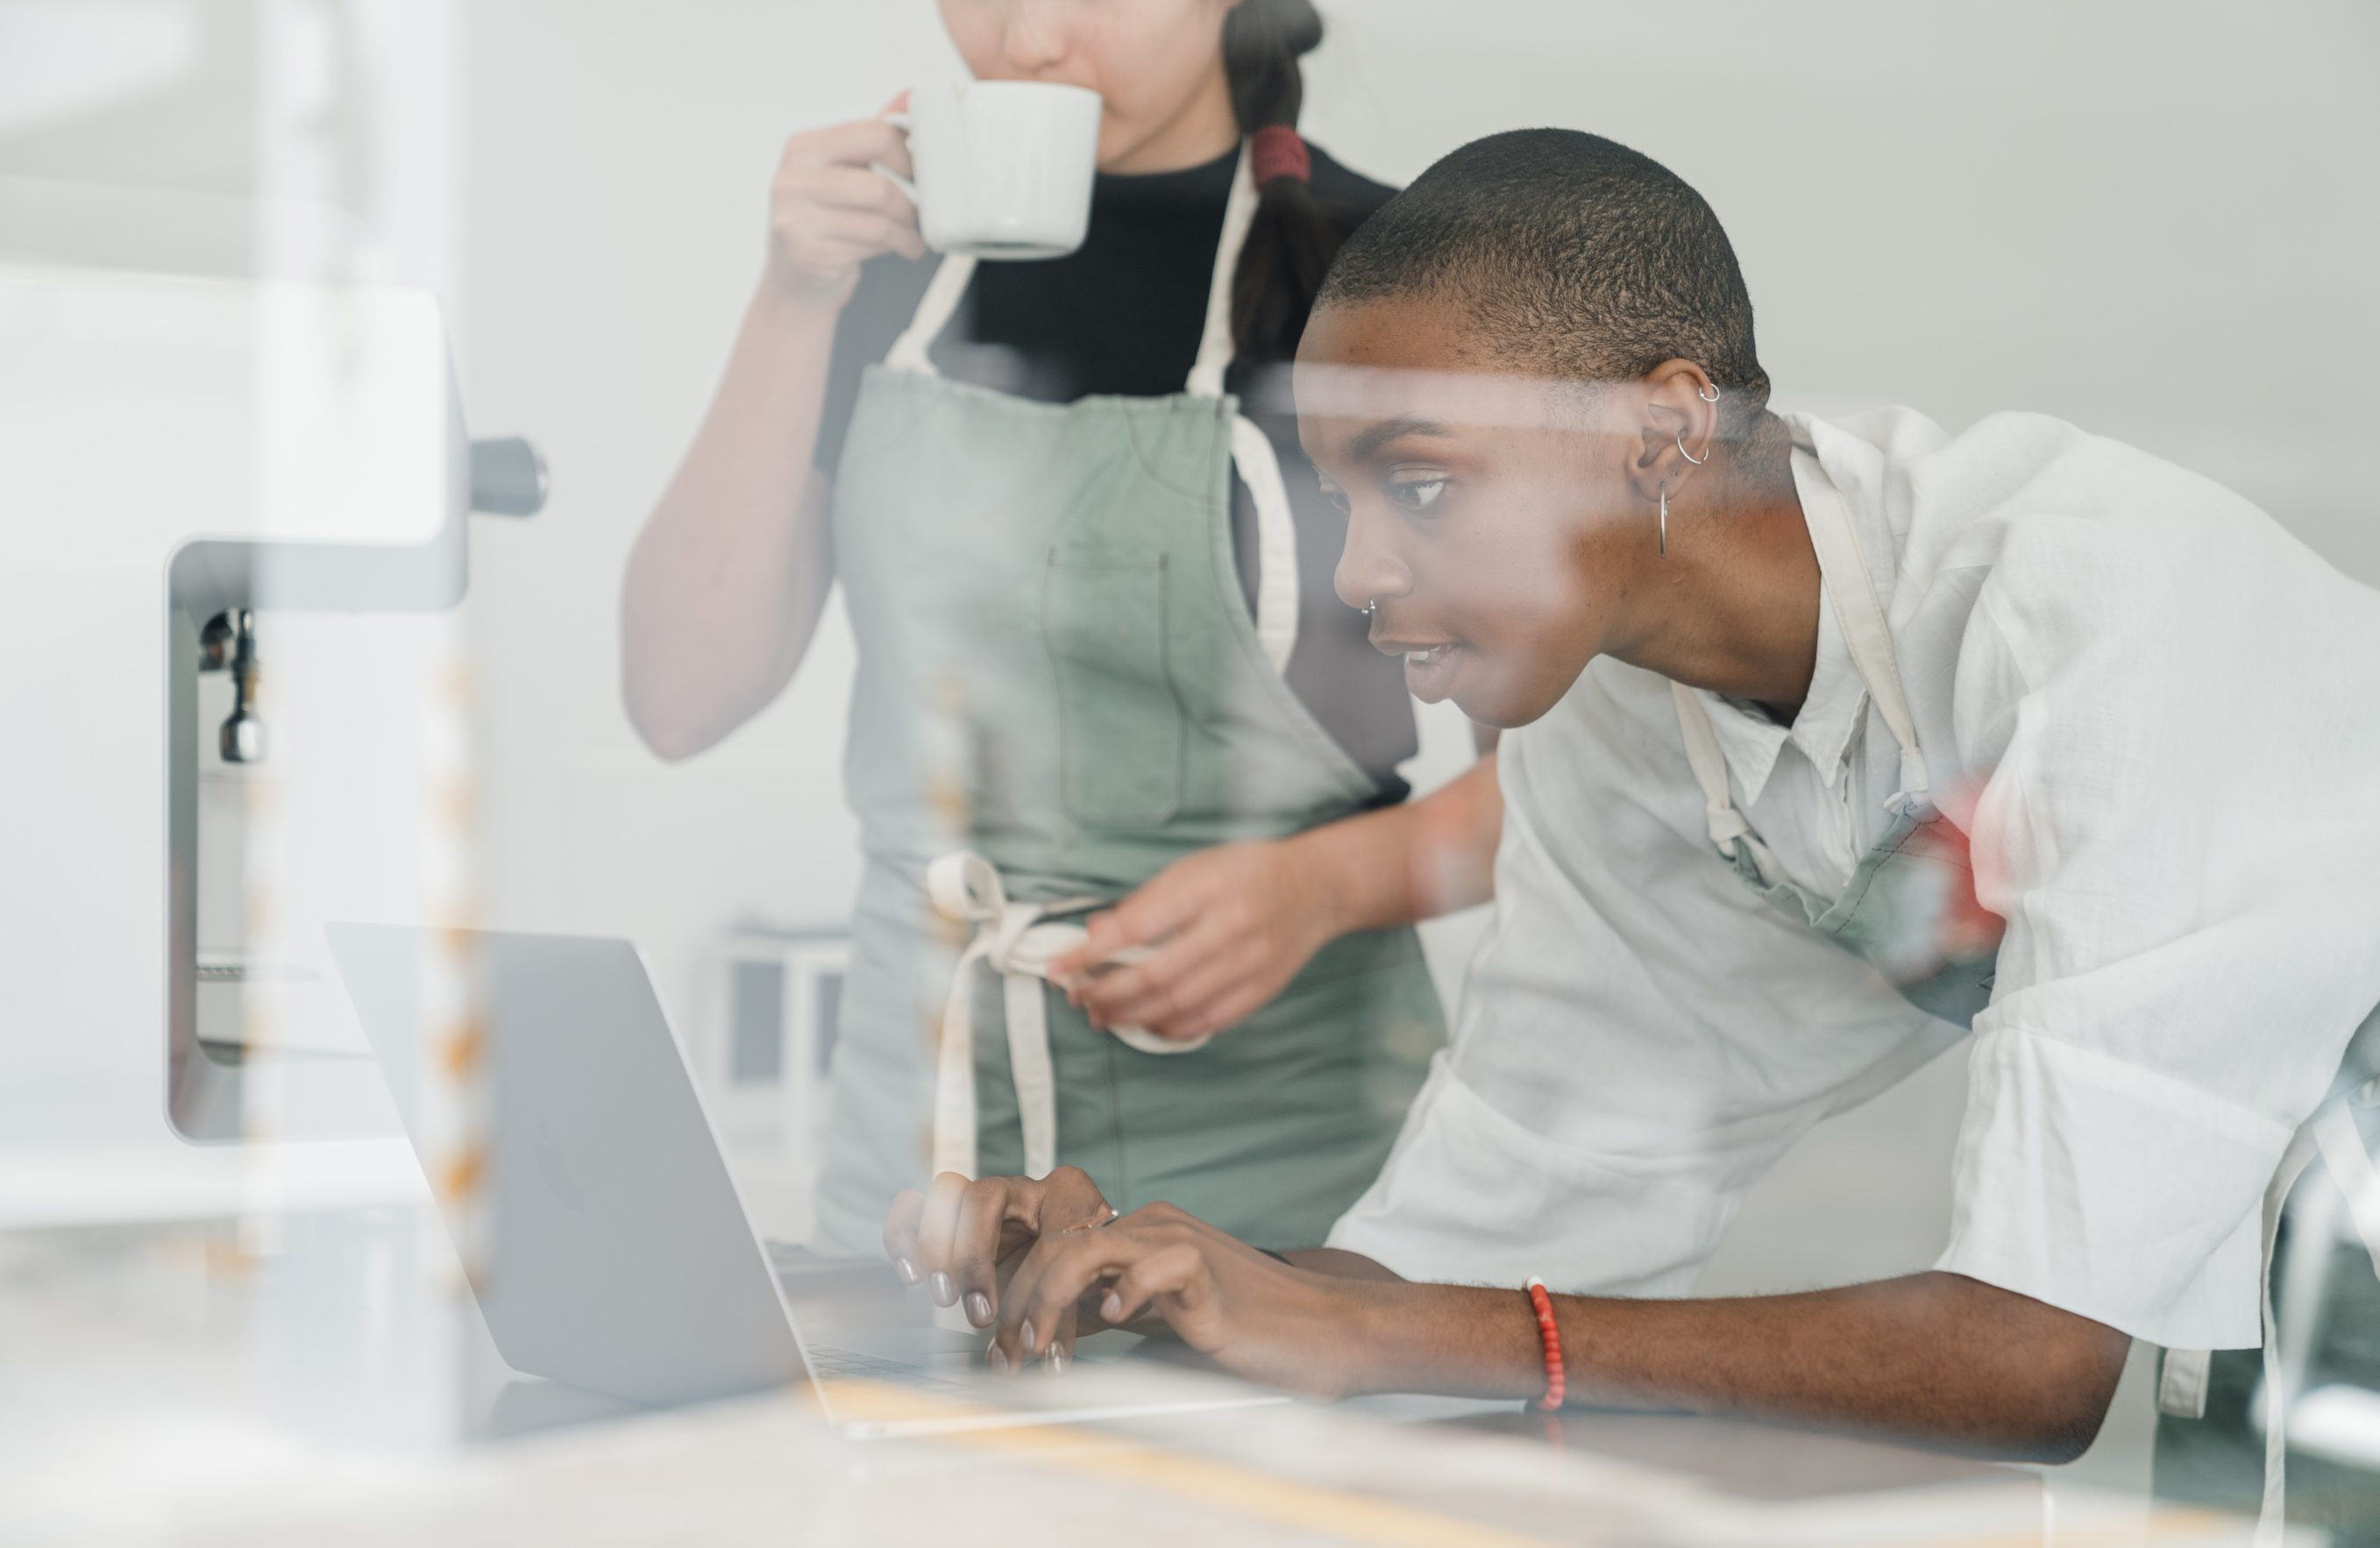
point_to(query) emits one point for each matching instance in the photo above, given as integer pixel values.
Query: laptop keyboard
(833, 1362)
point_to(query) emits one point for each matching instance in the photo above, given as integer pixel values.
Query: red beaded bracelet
(1549, 1334)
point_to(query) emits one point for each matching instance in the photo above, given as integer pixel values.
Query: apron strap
(1842, 568)
(2272, 1515)
(2181, 1382)
(2350, 1166)
(1728, 828)
(2183, 1388)
(1016, 941)
(1277, 601)
(1252, 451)
(935, 309)
(1215, 344)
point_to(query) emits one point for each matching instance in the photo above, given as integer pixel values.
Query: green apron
(1889, 911)
(1060, 692)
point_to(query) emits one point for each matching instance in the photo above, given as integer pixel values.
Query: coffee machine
(236, 504)
(232, 996)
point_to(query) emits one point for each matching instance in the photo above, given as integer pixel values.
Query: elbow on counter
(2066, 1397)
(2063, 1433)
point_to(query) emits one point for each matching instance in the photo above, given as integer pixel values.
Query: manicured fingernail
(1057, 1359)
(1025, 1336)
(1112, 1307)
(945, 1291)
(998, 1359)
(907, 1270)
(978, 1308)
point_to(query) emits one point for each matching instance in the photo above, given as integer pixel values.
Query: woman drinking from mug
(1099, 656)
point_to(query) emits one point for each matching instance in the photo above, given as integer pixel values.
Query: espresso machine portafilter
(508, 478)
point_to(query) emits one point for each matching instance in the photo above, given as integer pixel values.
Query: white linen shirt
(2157, 717)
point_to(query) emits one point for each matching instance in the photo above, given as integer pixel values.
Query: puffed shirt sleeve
(1639, 1036)
(2192, 932)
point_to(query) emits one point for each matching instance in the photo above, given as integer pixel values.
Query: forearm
(1414, 861)
(727, 579)
(1340, 1263)
(1933, 1358)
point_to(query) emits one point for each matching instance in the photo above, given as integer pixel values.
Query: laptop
(617, 1255)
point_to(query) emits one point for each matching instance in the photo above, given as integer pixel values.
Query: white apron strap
(1843, 570)
(1252, 452)
(2182, 1388)
(935, 309)
(1016, 942)
(1215, 345)
(966, 890)
(2181, 1382)
(2350, 1168)
(2272, 1515)
(1276, 541)
(1727, 825)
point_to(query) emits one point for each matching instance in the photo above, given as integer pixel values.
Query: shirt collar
(1832, 711)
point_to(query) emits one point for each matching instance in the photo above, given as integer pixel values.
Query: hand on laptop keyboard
(962, 1238)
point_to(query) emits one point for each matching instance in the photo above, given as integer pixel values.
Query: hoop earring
(1688, 456)
(1665, 521)
(1710, 396)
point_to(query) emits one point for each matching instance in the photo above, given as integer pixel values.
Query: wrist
(1455, 1340)
(1378, 1325)
(779, 309)
(1329, 861)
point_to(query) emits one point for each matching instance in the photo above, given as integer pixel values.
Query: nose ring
(1370, 605)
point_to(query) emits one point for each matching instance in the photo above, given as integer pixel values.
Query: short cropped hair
(1576, 257)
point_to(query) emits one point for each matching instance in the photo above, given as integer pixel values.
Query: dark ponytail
(1295, 234)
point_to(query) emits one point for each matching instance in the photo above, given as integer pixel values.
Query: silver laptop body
(619, 1255)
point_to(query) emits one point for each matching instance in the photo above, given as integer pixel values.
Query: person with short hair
(1836, 741)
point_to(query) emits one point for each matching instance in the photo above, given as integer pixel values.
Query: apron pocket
(1121, 729)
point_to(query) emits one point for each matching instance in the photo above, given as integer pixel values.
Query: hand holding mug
(832, 207)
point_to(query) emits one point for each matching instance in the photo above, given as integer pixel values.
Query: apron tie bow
(1018, 941)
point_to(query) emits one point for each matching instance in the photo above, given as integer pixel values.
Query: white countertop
(138, 1405)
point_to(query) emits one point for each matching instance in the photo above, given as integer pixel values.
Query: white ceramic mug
(1003, 167)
